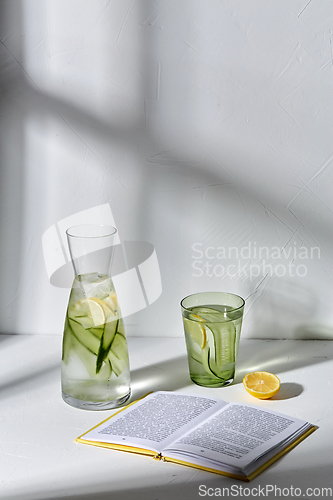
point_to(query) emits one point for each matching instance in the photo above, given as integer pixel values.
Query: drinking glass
(95, 371)
(212, 325)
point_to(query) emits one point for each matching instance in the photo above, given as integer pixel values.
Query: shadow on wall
(279, 357)
(12, 172)
(225, 193)
(287, 311)
(184, 173)
(313, 331)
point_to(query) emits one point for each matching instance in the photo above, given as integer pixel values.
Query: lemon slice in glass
(88, 312)
(96, 311)
(111, 302)
(196, 330)
(261, 385)
(110, 314)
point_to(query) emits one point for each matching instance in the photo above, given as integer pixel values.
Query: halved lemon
(196, 330)
(261, 385)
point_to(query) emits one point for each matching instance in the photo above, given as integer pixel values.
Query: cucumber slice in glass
(109, 333)
(118, 354)
(224, 356)
(84, 337)
(88, 359)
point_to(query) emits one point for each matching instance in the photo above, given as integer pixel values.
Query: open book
(237, 440)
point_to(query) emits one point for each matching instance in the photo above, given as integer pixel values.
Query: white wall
(206, 125)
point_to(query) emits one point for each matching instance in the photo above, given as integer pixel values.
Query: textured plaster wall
(207, 128)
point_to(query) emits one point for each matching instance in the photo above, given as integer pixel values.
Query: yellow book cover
(233, 439)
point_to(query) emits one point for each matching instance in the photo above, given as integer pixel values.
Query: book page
(237, 435)
(155, 421)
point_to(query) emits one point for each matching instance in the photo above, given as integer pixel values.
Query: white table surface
(40, 460)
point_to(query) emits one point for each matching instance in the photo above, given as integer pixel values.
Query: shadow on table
(25, 370)
(165, 376)
(288, 391)
(266, 355)
(19, 384)
(6, 337)
(307, 482)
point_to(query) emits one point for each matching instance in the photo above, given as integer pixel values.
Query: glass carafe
(95, 371)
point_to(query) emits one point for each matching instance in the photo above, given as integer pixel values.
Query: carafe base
(95, 405)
